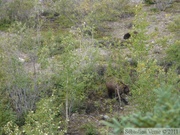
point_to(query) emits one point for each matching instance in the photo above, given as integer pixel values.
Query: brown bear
(115, 90)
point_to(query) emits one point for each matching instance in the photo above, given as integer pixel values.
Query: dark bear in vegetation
(128, 35)
(114, 88)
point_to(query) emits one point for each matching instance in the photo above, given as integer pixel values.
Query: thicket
(47, 72)
(160, 5)
(156, 89)
(164, 115)
(174, 26)
(23, 85)
(60, 14)
(15, 10)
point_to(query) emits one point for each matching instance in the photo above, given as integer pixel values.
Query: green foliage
(18, 85)
(2, 73)
(160, 5)
(142, 91)
(27, 40)
(165, 113)
(11, 128)
(175, 26)
(115, 124)
(61, 69)
(164, 41)
(68, 12)
(65, 22)
(69, 77)
(90, 129)
(117, 67)
(148, 71)
(107, 10)
(6, 114)
(5, 24)
(173, 53)
(139, 40)
(58, 44)
(149, 1)
(46, 118)
(92, 12)
(21, 86)
(18, 9)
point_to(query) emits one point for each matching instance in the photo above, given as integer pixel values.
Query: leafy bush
(92, 12)
(45, 120)
(6, 114)
(165, 113)
(160, 4)
(107, 10)
(5, 24)
(149, 1)
(143, 94)
(21, 87)
(15, 10)
(163, 4)
(142, 91)
(173, 53)
(90, 129)
(70, 61)
(175, 26)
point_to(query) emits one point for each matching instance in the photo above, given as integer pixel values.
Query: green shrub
(5, 24)
(16, 10)
(149, 1)
(45, 120)
(90, 129)
(6, 114)
(173, 53)
(92, 12)
(165, 113)
(142, 91)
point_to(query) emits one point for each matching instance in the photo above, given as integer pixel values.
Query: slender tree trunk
(67, 102)
(67, 108)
